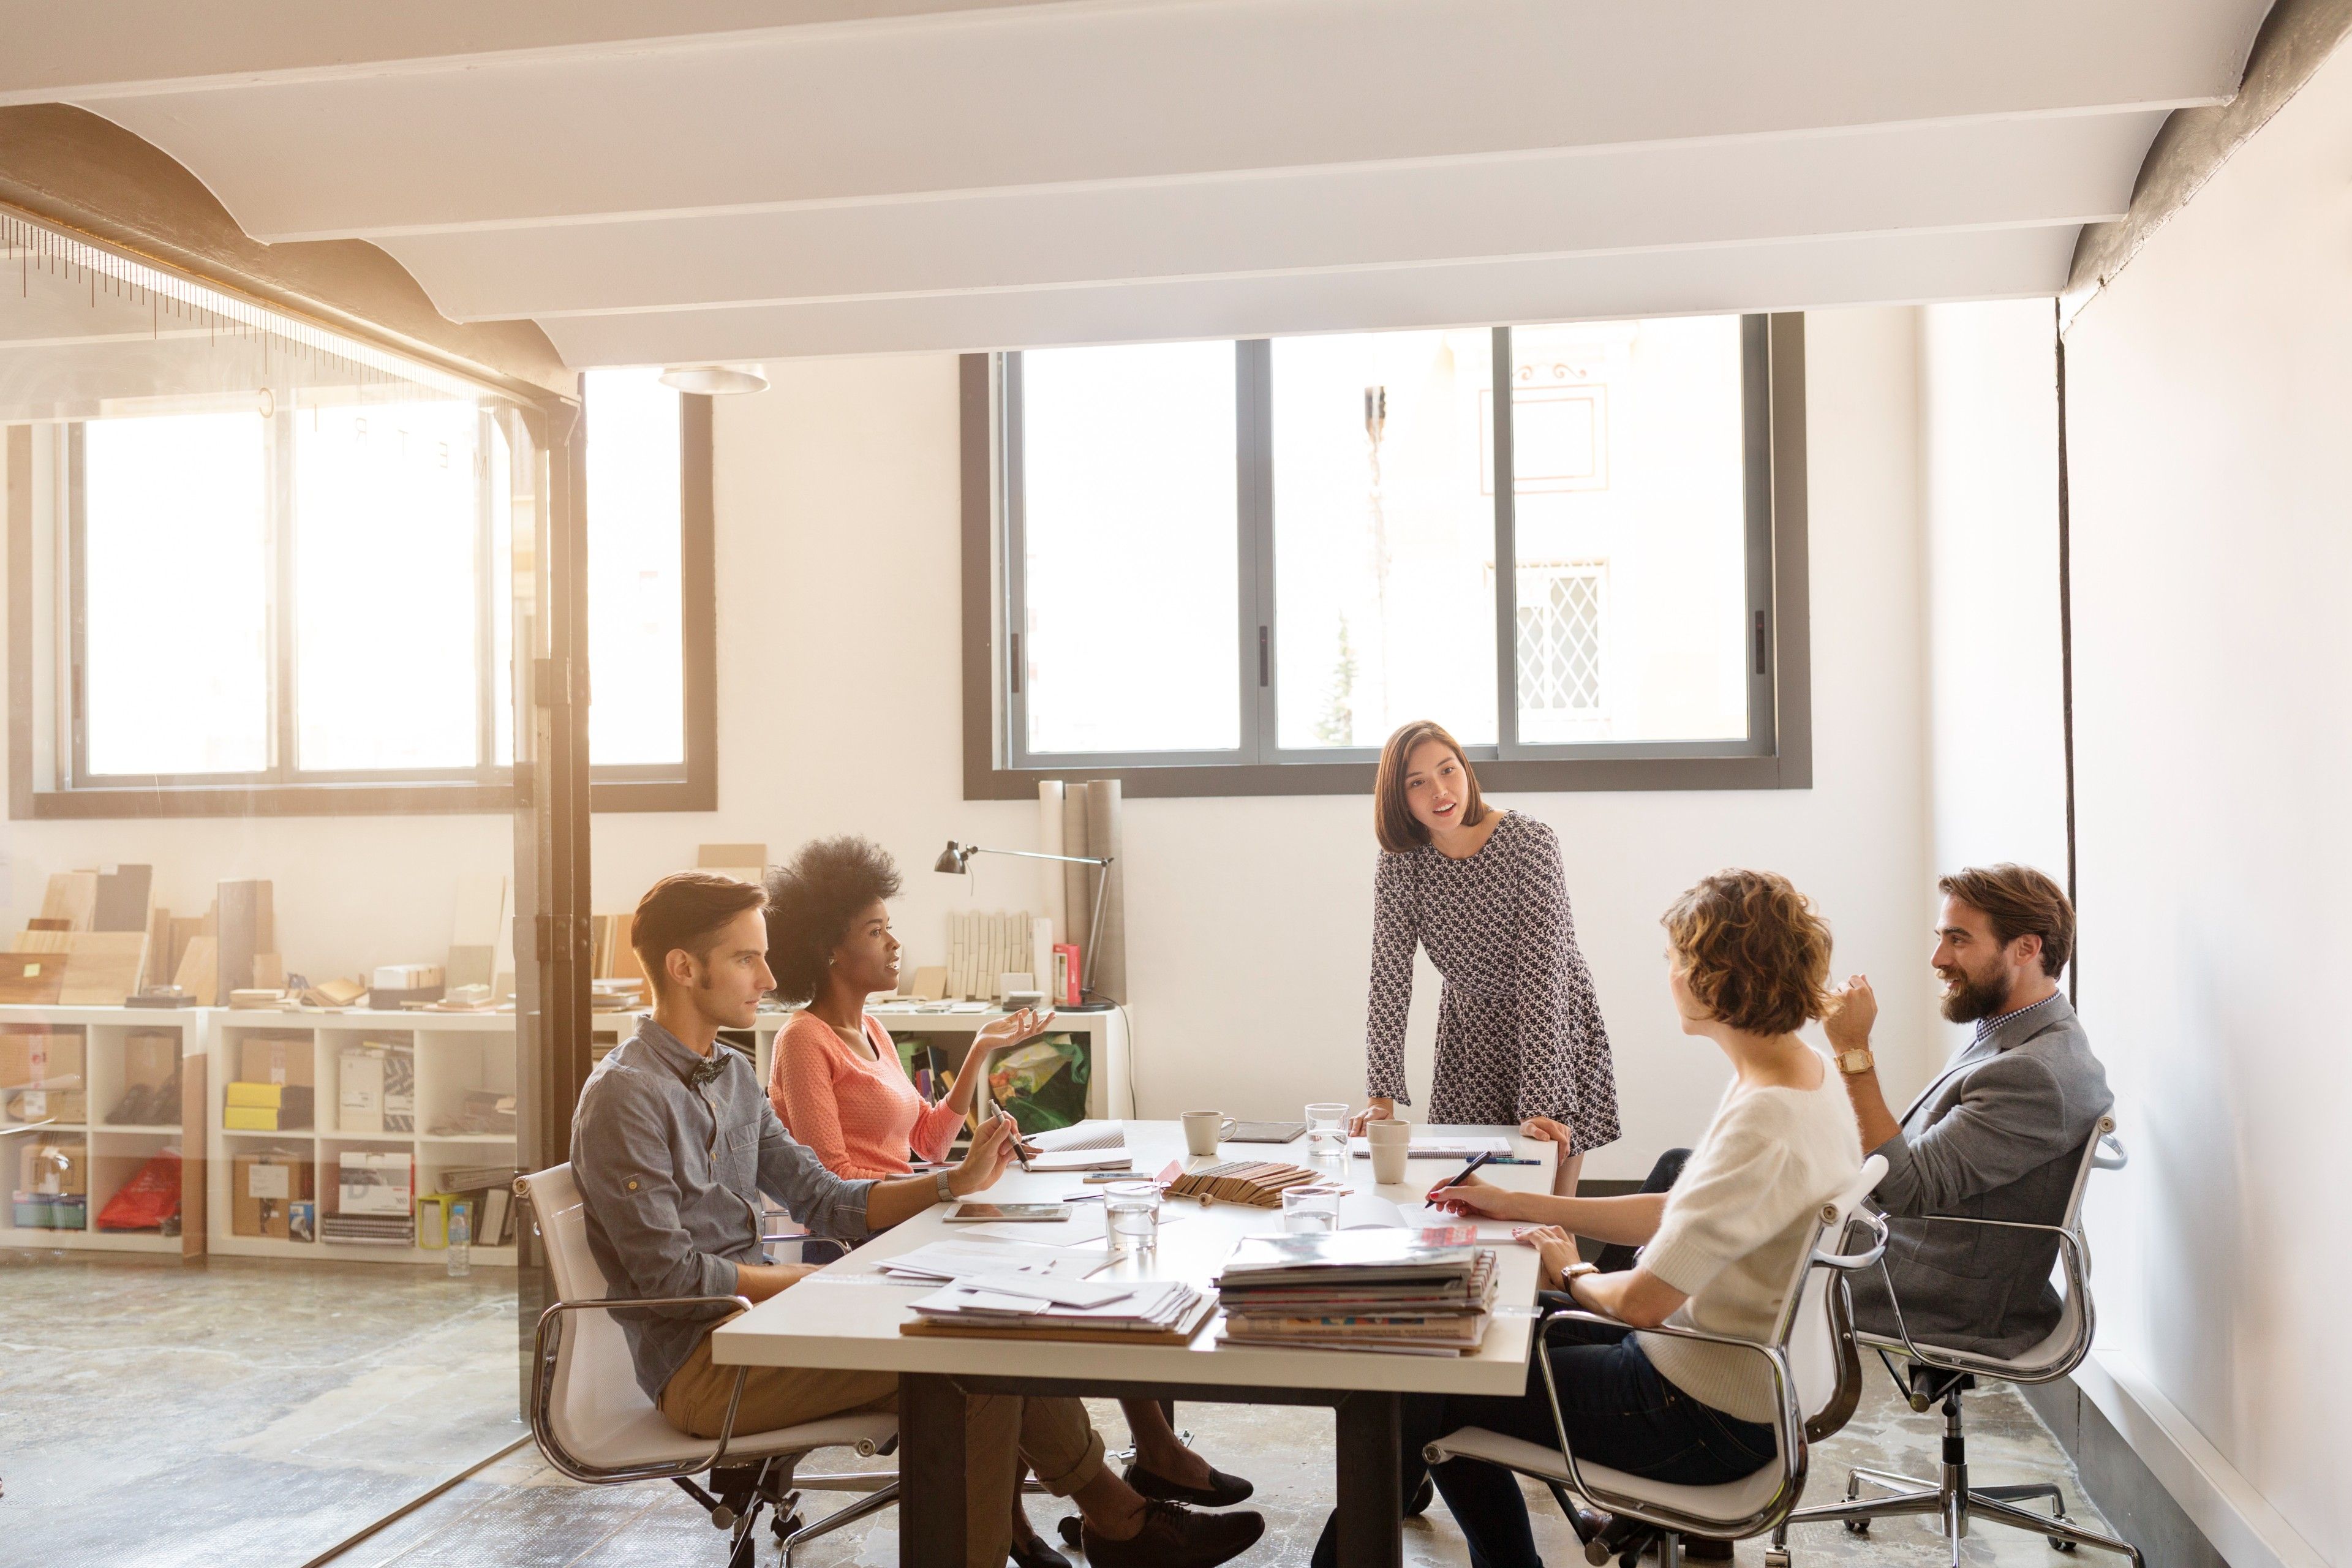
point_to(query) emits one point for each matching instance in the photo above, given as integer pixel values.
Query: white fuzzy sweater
(1734, 1225)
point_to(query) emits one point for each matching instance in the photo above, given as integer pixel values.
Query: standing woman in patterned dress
(1519, 1035)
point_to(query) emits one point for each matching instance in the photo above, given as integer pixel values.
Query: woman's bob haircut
(1752, 950)
(1392, 820)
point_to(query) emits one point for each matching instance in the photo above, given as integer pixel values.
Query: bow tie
(704, 1076)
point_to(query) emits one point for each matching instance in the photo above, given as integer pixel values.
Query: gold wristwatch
(1857, 1062)
(1572, 1271)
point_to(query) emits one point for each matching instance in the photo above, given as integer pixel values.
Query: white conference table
(848, 1316)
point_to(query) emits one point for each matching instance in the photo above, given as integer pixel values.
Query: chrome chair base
(1952, 1501)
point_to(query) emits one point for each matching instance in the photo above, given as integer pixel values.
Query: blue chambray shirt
(670, 1151)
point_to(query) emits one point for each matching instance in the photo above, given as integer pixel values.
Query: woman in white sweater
(1748, 961)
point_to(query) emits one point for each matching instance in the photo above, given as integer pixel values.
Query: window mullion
(284, 765)
(1507, 556)
(1010, 652)
(1254, 561)
(485, 743)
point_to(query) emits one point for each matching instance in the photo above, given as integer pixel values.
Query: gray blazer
(1998, 1135)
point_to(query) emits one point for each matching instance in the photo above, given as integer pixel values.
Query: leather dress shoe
(1029, 1551)
(1223, 1490)
(1174, 1536)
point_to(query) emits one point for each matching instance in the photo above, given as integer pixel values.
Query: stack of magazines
(1389, 1291)
(1035, 1303)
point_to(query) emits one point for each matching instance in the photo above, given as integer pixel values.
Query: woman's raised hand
(1381, 1108)
(1013, 1029)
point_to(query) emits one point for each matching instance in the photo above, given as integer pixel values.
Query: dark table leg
(931, 1472)
(1371, 1501)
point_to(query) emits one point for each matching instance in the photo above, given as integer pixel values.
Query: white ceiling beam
(1899, 268)
(1088, 93)
(149, 47)
(1965, 174)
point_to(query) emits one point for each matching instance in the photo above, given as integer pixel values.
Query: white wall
(1250, 919)
(2209, 390)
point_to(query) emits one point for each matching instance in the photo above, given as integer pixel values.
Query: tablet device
(967, 1212)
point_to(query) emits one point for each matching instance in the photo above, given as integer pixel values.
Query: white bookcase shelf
(452, 1053)
(113, 1152)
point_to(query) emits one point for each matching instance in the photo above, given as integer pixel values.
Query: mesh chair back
(594, 1393)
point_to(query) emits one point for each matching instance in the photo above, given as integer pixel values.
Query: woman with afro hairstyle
(837, 1084)
(839, 1088)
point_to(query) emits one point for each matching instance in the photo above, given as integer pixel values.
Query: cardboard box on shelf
(374, 1182)
(150, 1058)
(359, 1090)
(264, 1187)
(36, 1211)
(266, 1107)
(67, 1105)
(54, 1167)
(278, 1056)
(40, 1057)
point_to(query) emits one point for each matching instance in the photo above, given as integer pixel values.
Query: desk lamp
(956, 860)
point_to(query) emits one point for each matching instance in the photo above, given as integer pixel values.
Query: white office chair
(1942, 1374)
(1816, 1380)
(595, 1424)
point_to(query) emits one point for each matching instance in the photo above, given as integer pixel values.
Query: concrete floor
(236, 1411)
(520, 1514)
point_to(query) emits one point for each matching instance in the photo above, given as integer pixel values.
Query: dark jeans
(1619, 1412)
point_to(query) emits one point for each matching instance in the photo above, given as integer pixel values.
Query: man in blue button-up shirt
(673, 1144)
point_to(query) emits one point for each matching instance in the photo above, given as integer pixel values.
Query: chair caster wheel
(1857, 1527)
(784, 1528)
(1774, 1557)
(2056, 1544)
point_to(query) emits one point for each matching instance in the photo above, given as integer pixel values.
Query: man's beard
(1986, 998)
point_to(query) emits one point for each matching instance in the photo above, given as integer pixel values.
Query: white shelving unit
(453, 1052)
(115, 1151)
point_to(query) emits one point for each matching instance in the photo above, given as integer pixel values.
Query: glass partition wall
(280, 599)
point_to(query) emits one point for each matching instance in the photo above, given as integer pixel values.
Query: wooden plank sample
(199, 971)
(101, 967)
(124, 895)
(245, 928)
(70, 896)
(159, 953)
(31, 979)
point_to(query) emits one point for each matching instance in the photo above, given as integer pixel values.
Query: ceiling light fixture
(715, 380)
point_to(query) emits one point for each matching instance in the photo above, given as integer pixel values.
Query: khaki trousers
(1003, 1432)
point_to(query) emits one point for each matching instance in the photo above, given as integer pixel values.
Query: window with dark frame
(1236, 567)
(315, 603)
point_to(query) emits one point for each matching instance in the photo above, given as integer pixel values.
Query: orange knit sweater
(857, 1111)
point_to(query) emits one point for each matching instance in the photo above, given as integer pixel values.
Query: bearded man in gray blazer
(1999, 1134)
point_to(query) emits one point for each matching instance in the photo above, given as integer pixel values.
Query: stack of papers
(1048, 1304)
(943, 1261)
(1389, 1291)
(1435, 1147)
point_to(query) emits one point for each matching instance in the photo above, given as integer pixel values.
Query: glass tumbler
(1327, 1131)
(1131, 1217)
(1310, 1210)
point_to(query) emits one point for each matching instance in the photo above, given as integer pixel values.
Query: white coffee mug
(1205, 1129)
(1392, 1146)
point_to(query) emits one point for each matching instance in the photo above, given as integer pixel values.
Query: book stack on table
(1386, 1290)
(1033, 1303)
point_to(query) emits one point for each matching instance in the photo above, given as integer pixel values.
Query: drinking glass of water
(1131, 1216)
(1310, 1210)
(1327, 1131)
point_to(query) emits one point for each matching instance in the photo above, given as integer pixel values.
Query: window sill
(123, 802)
(1524, 777)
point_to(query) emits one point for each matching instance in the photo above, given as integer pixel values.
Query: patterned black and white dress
(1518, 1029)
